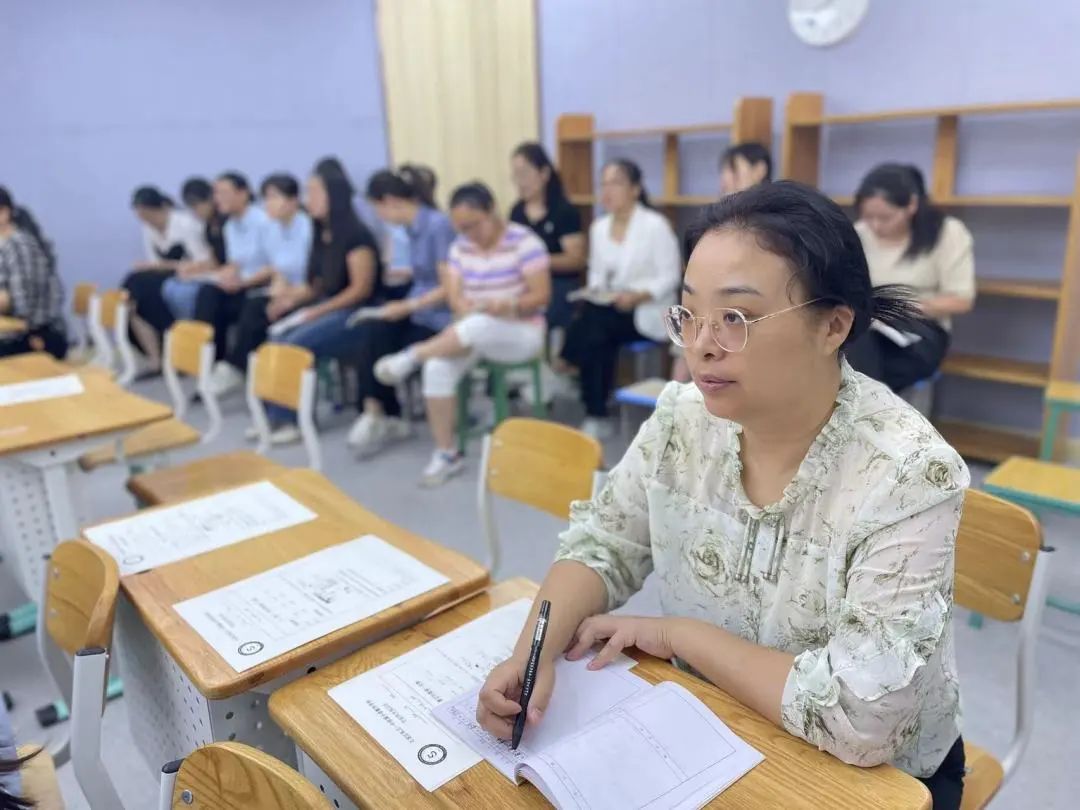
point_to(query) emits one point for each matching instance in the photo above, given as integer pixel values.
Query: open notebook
(656, 747)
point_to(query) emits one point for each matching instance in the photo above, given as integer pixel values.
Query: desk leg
(317, 776)
(168, 716)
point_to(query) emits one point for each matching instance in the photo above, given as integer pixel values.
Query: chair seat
(644, 393)
(1064, 393)
(168, 434)
(983, 778)
(1036, 483)
(201, 477)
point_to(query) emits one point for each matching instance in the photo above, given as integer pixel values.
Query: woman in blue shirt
(401, 198)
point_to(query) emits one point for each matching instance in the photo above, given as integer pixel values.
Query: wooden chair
(542, 464)
(202, 477)
(74, 633)
(1001, 573)
(496, 375)
(189, 350)
(80, 308)
(284, 375)
(109, 330)
(233, 776)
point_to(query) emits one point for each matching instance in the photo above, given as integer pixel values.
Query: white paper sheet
(259, 618)
(290, 321)
(901, 339)
(393, 702)
(66, 385)
(364, 314)
(601, 298)
(580, 697)
(161, 536)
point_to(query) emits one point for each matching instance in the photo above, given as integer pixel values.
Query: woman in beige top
(909, 241)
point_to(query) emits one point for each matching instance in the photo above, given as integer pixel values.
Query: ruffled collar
(819, 459)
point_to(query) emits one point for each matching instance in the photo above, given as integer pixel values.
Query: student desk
(40, 444)
(181, 694)
(336, 754)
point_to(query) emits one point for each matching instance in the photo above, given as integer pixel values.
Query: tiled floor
(1047, 778)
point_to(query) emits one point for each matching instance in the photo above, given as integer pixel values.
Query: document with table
(153, 538)
(66, 385)
(655, 747)
(259, 618)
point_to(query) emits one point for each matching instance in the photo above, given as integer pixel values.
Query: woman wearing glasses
(798, 517)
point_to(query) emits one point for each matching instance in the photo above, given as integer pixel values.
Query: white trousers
(500, 340)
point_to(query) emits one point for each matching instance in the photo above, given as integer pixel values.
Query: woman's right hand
(498, 706)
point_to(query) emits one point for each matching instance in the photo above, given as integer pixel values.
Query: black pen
(530, 670)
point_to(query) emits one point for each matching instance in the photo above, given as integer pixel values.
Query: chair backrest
(279, 373)
(996, 548)
(110, 303)
(186, 342)
(80, 298)
(80, 596)
(542, 464)
(232, 776)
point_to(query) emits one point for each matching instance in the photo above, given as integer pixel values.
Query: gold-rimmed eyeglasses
(730, 329)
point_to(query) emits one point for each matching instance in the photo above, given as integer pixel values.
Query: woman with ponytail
(30, 288)
(634, 271)
(911, 242)
(798, 517)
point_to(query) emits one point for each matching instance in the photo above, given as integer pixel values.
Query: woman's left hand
(648, 634)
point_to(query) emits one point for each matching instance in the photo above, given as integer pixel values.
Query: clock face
(825, 22)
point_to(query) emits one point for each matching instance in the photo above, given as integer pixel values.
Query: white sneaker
(395, 368)
(370, 434)
(224, 379)
(442, 467)
(599, 429)
(286, 434)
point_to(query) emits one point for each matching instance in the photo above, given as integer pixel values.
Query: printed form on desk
(66, 385)
(656, 747)
(394, 702)
(153, 538)
(261, 617)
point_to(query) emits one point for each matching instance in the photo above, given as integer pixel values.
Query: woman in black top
(344, 273)
(544, 207)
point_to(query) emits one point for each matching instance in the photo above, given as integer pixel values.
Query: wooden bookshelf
(800, 159)
(577, 136)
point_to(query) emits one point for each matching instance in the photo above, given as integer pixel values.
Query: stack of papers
(601, 298)
(67, 385)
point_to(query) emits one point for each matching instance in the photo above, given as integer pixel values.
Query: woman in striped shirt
(498, 286)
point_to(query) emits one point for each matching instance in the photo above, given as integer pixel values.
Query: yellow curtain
(461, 86)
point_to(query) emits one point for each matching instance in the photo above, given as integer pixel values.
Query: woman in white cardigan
(634, 274)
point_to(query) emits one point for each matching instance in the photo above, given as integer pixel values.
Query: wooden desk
(181, 694)
(794, 773)
(40, 444)
(201, 477)
(11, 326)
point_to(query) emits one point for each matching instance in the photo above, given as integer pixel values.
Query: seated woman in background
(799, 519)
(634, 256)
(498, 286)
(344, 271)
(287, 243)
(401, 199)
(544, 207)
(198, 196)
(909, 241)
(397, 256)
(171, 238)
(30, 288)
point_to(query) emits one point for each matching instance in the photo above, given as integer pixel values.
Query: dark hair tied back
(409, 182)
(150, 197)
(817, 240)
(473, 195)
(899, 184)
(535, 155)
(22, 219)
(632, 172)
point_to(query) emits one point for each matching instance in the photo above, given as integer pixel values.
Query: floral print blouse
(851, 571)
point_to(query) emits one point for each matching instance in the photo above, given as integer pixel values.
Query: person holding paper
(910, 241)
(30, 287)
(800, 518)
(498, 287)
(344, 272)
(633, 254)
(401, 198)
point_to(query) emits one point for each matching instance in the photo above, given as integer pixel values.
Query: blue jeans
(325, 337)
(180, 295)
